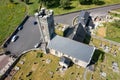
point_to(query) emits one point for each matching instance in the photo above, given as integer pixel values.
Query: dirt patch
(34, 66)
(101, 32)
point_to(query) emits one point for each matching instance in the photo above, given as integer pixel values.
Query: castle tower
(45, 21)
(46, 24)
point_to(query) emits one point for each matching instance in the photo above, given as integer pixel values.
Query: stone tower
(45, 21)
(46, 24)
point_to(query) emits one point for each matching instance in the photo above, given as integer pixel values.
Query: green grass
(115, 15)
(113, 31)
(33, 7)
(41, 69)
(11, 16)
(104, 62)
(58, 29)
(106, 66)
(59, 32)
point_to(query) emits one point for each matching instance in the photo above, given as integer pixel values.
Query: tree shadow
(86, 3)
(87, 39)
(16, 3)
(91, 2)
(29, 3)
(54, 4)
(98, 55)
(68, 8)
(36, 10)
(100, 3)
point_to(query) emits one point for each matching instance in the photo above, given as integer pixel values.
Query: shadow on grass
(16, 3)
(87, 39)
(30, 3)
(86, 3)
(90, 2)
(53, 4)
(68, 8)
(98, 55)
(36, 10)
(100, 3)
(71, 64)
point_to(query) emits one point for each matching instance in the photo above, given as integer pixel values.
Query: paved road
(3, 61)
(28, 37)
(101, 11)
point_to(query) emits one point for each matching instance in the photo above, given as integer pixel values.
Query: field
(104, 62)
(101, 32)
(43, 71)
(113, 31)
(115, 15)
(106, 66)
(11, 16)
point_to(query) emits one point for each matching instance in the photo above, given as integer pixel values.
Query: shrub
(39, 54)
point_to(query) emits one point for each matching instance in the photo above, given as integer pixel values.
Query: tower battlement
(43, 13)
(46, 23)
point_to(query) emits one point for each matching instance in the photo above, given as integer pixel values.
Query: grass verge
(11, 16)
(42, 71)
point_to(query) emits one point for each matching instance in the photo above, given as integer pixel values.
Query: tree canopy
(65, 3)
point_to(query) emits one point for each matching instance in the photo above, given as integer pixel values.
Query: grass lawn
(41, 70)
(113, 31)
(115, 15)
(104, 63)
(11, 16)
(59, 32)
(106, 66)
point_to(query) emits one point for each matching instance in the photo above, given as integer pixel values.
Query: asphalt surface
(28, 37)
(100, 11)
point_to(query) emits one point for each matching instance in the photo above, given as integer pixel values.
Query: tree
(52, 3)
(81, 1)
(22, 0)
(49, 3)
(65, 3)
(88, 2)
(95, 1)
(26, 1)
(42, 1)
(11, 1)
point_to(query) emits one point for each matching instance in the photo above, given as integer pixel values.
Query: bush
(39, 54)
(65, 3)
